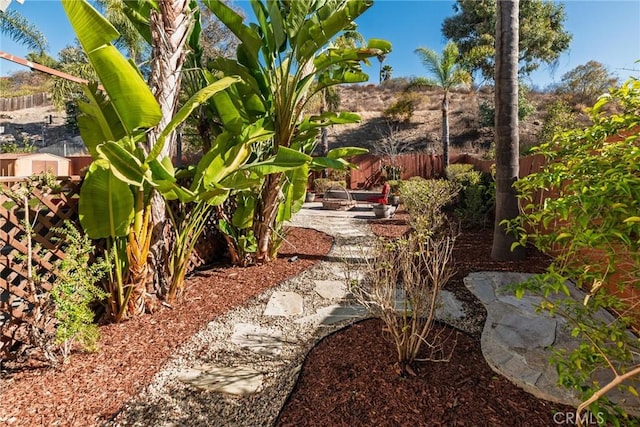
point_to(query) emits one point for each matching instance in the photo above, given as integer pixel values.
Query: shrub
(337, 174)
(402, 110)
(424, 200)
(593, 227)
(321, 185)
(559, 117)
(75, 289)
(487, 109)
(395, 185)
(401, 286)
(476, 198)
(462, 174)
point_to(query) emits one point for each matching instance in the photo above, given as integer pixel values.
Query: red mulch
(351, 377)
(348, 379)
(91, 388)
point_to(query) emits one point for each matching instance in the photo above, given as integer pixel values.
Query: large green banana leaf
(106, 203)
(130, 95)
(284, 160)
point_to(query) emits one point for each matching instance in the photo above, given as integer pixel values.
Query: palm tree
(446, 73)
(507, 152)
(381, 59)
(386, 72)
(16, 27)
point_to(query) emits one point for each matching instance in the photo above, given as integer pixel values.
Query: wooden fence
(371, 167)
(22, 102)
(46, 211)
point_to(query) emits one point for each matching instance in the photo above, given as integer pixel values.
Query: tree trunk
(506, 122)
(445, 132)
(267, 211)
(170, 28)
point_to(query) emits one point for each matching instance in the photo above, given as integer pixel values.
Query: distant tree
(42, 58)
(381, 59)
(130, 39)
(542, 36)
(586, 82)
(65, 93)
(560, 117)
(385, 73)
(507, 130)
(446, 73)
(20, 30)
(216, 39)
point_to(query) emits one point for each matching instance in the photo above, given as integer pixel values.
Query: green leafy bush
(463, 174)
(560, 117)
(477, 195)
(402, 110)
(424, 199)
(75, 290)
(593, 226)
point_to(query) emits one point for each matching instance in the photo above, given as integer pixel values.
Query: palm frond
(20, 30)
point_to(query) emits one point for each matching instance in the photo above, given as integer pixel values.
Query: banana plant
(284, 58)
(115, 196)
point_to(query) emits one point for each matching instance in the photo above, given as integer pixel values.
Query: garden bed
(337, 387)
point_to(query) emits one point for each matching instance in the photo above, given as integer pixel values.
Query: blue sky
(607, 31)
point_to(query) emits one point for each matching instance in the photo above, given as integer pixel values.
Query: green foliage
(463, 174)
(424, 199)
(403, 108)
(591, 221)
(487, 110)
(75, 290)
(15, 147)
(337, 174)
(476, 198)
(320, 185)
(16, 27)
(559, 118)
(393, 172)
(284, 58)
(542, 36)
(585, 83)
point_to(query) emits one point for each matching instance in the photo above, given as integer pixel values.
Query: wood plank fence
(370, 167)
(26, 101)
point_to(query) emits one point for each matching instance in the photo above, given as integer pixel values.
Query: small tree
(592, 225)
(403, 279)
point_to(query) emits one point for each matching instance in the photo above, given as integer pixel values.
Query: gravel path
(167, 401)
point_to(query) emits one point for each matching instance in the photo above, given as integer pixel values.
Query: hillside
(423, 131)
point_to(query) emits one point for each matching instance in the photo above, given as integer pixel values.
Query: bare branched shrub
(401, 286)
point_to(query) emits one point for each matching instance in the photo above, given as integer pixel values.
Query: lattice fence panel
(46, 212)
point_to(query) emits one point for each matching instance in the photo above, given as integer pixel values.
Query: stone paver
(284, 304)
(331, 289)
(450, 307)
(266, 341)
(516, 339)
(236, 380)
